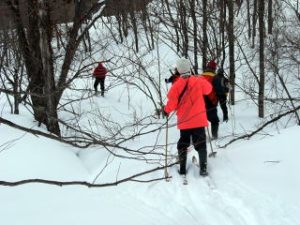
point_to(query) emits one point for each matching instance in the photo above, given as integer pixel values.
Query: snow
(276, 160)
(251, 182)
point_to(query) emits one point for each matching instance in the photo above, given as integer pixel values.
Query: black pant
(223, 101)
(101, 81)
(199, 142)
(212, 116)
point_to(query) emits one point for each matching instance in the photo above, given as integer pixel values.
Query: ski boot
(203, 169)
(182, 155)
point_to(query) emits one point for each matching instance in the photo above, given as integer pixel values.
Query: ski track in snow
(209, 201)
(265, 210)
(226, 200)
(221, 198)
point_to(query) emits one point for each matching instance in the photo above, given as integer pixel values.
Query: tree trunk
(135, 30)
(270, 17)
(195, 34)
(31, 54)
(16, 92)
(47, 67)
(248, 19)
(184, 28)
(205, 39)
(254, 16)
(231, 38)
(261, 91)
(222, 7)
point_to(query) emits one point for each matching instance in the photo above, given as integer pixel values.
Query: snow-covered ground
(251, 182)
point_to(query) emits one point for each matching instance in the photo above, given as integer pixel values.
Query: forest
(47, 55)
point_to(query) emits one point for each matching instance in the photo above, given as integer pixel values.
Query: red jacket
(209, 76)
(191, 112)
(100, 71)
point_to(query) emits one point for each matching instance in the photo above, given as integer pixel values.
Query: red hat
(211, 65)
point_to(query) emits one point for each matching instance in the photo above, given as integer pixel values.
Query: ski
(184, 180)
(195, 161)
(208, 179)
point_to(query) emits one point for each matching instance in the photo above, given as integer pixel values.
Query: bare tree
(254, 20)
(270, 16)
(205, 44)
(184, 26)
(12, 69)
(222, 23)
(261, 92)
(231, 40)
(195, 33)
(44, 91)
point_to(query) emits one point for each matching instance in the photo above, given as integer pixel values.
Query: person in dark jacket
(221, 87)
(211, 100)
(218, 95)
(99, 73)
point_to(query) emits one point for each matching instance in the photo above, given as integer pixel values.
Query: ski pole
(212, 154)
(166, 152)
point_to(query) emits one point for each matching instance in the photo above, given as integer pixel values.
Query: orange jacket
(209, 76)
(190, 107)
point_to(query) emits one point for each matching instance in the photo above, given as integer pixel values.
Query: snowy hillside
(252, 181)
(103, 163)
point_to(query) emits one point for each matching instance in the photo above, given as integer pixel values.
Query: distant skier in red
(99, 73)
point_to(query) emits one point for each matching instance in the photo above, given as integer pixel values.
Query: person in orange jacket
(186, 96)
(99, 73)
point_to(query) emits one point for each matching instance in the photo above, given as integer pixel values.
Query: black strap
(183, 91)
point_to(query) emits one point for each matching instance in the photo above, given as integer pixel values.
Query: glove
(225, 117)
(167, 80)
(164, 113)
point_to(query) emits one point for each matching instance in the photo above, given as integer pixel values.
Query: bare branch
(248, 136)
(87, 184)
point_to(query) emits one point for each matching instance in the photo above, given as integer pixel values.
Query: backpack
(220, 84)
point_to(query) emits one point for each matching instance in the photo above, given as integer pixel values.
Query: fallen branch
(91, 141)
(87, 184)
(36, 132)
(248, 136)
